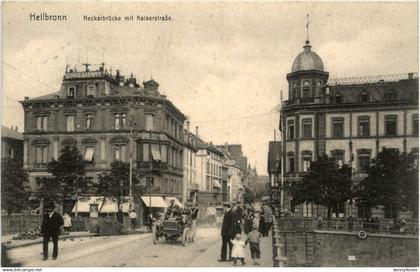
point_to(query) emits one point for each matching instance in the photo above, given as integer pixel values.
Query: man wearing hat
(50, 228)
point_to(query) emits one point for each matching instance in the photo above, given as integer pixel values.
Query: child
(238, 249)
(254, 244)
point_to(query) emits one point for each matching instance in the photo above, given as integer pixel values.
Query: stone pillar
(55, 148)
(103, 151)
(25, 153)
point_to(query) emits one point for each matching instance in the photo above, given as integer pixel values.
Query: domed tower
(307, 79)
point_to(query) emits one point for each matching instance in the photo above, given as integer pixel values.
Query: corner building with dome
(349, 119)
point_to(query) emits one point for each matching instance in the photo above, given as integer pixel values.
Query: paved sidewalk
(210, 257)
(8, 241)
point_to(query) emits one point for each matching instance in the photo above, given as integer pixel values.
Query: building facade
(349, 119)
(108, 117)
(11, 144)
(209, 163)
(190, 184)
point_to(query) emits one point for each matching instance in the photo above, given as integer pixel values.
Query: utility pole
(131, 158)
(282, 157)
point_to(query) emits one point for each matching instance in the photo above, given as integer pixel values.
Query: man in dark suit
(230, 227)
(50, 228)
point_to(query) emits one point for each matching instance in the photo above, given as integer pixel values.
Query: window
(71, 91)
(149, 122)
(364, 126)
(91, 91)
(390, 95)
(364, 97)
(120, 121)
(145, 152)
(70, 122)
(42, 123)
(89, 121)
(123, 120)
(42, 154)
(89, 154)
(291, 161)
(338, 156)
(415, 124)
(338, 99)
(363, 156)
(117, 121)
(306, 164)
(306, 89)
(119, 153)
(390, 125)
(363, 162)
(291, 129)
(156, 152)
(307, 128)
(338, 127)
(164, 153)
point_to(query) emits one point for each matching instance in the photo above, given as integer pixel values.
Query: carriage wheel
(185, 236)
(155, 235)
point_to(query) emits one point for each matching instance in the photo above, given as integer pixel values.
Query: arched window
(306, 89)
(306, 160)
(364, 96)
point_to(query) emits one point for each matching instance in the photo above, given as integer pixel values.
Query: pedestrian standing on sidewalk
(133, 219)
(67, 223)
(238, 250)
(254, 244)
(50, 228)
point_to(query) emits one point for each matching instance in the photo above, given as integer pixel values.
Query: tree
(14, 186)
(392, 181)
(249, 196)
(68, 176)
(325, 183)
(116, 184)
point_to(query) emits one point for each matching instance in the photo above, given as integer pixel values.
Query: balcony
(193, 187)
(153, 166)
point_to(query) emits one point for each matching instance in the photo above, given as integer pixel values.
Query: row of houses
(112, 118)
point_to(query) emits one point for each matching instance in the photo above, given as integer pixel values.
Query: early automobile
(181, 224)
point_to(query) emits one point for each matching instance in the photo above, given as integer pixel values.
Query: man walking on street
(227, 233)
(50, 228)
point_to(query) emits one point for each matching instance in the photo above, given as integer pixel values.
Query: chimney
(16, 128)
(26, 97)
(11, 127)
(188, 126)
(410, 75)
(196, 131)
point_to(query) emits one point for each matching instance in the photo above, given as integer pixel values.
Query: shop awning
(217, 184)
(154, 201)
(109, 206)
(177, 202)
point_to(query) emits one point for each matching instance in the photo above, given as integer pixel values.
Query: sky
(223, 64)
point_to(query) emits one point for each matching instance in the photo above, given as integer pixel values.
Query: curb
(39, 240)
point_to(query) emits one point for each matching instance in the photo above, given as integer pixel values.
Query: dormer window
(91, 91)
(338, 99)
(390, 95)
(364, 97)
(71, 90)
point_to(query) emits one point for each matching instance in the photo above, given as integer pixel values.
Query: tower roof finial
(307, 28)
